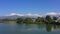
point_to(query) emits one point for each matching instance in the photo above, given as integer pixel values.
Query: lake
(14, 28)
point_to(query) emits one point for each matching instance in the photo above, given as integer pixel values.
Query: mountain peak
(14, 14)
(53, 14)
(28, 14)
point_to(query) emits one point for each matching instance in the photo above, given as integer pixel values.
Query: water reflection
(48, 27)
(39, 27)
(52, 27)
(28, 28)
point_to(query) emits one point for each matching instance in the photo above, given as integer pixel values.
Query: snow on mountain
(14, 14)
(17, 15)
(53, 14)
(37, 15)
(29, 14)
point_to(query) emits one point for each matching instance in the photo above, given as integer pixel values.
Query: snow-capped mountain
(53, 14)
(16, 15)
(29, 14)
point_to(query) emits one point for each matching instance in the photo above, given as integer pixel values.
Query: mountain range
(16, 15)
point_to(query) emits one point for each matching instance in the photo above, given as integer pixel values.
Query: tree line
(39, 20)
(48, 20)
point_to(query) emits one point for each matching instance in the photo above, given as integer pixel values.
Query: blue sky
(29, 6)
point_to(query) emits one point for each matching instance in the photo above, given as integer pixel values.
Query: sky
(29, 6)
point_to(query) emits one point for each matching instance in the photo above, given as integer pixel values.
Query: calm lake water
(14, 28)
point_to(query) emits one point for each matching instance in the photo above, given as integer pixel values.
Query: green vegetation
(48, 27)
(20, 20)
(28, 20)
(25, 20)
(7, 20)
(39, 20)
(48, 19)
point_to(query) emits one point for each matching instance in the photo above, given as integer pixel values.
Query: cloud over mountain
(28, 14)
(52, 13)
(14, 14)
(34, 15)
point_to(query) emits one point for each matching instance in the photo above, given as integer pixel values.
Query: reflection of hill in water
(30, 27)
(52, 27)
(43, 27)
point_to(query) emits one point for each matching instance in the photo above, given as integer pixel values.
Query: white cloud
(57, 14)
(37, 15)
(12, 14)
(51, 13)
(29, 14)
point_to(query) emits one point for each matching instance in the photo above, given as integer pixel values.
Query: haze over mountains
(16, 15)
(53, 14)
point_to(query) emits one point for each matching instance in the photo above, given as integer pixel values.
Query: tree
(28, 20)
(20, 20)
(48, 19)
(40, 19)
